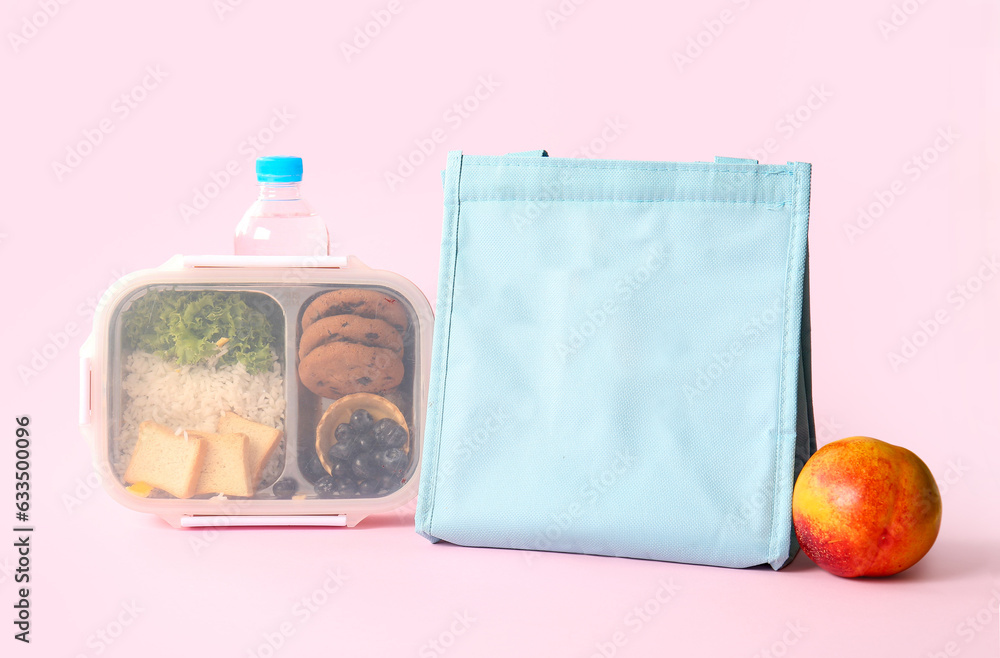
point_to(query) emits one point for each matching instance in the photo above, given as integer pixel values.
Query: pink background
(883, 99)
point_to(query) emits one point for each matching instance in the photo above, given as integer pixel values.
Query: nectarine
(863, 507)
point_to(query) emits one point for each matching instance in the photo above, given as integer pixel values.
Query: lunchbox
(258, 390)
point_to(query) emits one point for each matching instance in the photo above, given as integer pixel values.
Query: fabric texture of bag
(621, 358)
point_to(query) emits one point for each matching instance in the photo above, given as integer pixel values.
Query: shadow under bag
(621, 358)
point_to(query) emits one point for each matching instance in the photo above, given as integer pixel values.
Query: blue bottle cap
(279, 169)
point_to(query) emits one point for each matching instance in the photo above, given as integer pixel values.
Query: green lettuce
(186, 326)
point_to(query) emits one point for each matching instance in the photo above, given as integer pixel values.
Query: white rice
(194, 397)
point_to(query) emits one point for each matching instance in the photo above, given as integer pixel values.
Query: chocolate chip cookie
(357, 301)
(340, 368)
(350, 329)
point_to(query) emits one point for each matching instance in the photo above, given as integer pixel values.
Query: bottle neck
(278, 191)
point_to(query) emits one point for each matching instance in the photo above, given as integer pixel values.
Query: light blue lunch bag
(621, 358)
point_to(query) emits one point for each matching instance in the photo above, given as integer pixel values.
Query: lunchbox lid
(300, 277)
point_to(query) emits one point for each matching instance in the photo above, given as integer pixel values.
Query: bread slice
(226, 469)
(263, 440)
(165, 460)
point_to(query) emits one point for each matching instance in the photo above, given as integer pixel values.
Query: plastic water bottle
(280, 222)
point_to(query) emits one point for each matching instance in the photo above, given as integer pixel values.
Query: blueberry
(285, 488)
(369, 486)
(345, 487)
(312, 468)
(361, 421)
(342, 449)
(339, 468)
(388, 434)
(332, 487)
(390, 483)
(343, 432)
(397, 439)
(382, 428)
(327, 486)
(363, 466)
(363, 443)
(392, 461)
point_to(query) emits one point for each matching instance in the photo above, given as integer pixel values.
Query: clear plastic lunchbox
(258, 390)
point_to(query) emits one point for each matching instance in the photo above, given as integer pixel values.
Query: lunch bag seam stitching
(772, 548)
(621, 200)
(744, 169)
(447, 353)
